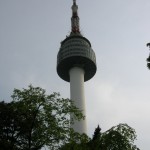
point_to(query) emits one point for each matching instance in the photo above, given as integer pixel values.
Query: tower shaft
(77, 95)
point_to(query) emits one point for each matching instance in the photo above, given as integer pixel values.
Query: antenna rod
(75, 28)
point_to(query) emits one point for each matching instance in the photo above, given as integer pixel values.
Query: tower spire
(75, 28)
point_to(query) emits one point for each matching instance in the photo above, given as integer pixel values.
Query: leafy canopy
(120, 137)
(34, 119)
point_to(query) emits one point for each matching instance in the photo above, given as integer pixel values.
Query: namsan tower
(76, 63)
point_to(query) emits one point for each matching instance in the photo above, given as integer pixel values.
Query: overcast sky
(30, 36)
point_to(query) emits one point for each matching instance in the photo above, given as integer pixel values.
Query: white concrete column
(77, 95)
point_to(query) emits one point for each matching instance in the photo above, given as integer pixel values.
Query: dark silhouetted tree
(97, 134)
(148, 59)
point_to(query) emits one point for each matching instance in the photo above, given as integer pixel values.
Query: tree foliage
(148, 62)
(34, 119)
(148, 59)
(120, 137)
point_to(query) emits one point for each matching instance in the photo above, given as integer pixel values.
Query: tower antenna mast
(75, 27)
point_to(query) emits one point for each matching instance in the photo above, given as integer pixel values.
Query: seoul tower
(76, 63)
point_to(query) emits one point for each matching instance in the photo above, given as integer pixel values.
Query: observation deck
(76, 50)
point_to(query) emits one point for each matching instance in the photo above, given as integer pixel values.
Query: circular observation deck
(76, 51)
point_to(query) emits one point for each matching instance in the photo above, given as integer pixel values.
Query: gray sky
(30, 36)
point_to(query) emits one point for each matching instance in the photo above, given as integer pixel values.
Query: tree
(95, 143)
(148, 59)
(148, 62)
(97, 134)
(120, 137)
(34, 120)
(7, 125)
